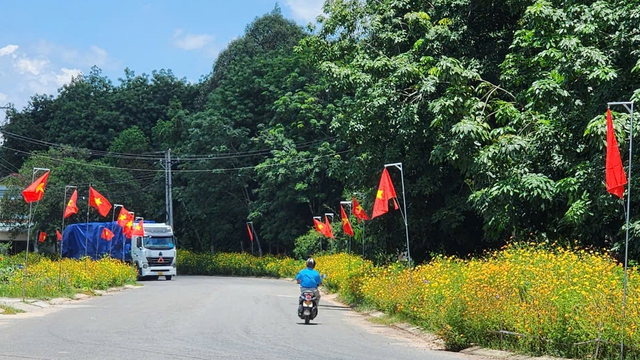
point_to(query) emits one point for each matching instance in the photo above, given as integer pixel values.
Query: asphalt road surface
(197, 317)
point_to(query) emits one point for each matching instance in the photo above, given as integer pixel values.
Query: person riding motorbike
(309, 280)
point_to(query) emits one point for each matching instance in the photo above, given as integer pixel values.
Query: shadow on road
(301, 323)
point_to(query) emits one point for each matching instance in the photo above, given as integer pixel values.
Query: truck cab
(154, 255)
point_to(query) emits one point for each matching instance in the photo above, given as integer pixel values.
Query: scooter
(309, 304)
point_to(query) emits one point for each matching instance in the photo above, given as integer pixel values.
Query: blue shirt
(309, 278)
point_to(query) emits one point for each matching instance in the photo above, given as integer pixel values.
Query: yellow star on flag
(40, 188)
(98, 201)
(379, 196)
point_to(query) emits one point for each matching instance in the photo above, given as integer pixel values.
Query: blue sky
(44, 43)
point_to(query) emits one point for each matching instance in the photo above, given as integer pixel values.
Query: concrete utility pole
(168, 194)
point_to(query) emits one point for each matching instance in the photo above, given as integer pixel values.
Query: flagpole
(26, 258)
(347, 202)
(404, 215)
(255, 234)
(113, 228)
(86, 233)
(332, 242)
(629, 106)
(64, 206)
(319, 218)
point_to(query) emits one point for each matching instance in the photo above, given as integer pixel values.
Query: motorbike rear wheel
(307, 319)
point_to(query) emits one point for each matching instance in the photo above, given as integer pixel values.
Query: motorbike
(309, 303)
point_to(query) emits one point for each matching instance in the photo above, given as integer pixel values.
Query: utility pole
(168, 194)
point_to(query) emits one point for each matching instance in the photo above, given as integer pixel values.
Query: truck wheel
(168, 277)
(155, 277)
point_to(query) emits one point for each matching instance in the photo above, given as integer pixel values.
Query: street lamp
(113, 228)
(404, 215)
(319, 218)
(64, 206)
(255, 234)
(354, 194)
(629, 106)
(350, 204)
(26, 258)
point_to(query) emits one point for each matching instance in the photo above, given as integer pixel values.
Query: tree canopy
(494, 109)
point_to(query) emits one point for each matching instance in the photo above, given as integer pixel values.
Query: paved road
(194, 317)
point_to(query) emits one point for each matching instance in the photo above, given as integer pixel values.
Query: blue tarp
(84, 239)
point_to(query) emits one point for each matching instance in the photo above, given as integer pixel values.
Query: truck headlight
(145, 265)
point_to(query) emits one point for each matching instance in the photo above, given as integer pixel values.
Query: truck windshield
(158, 243)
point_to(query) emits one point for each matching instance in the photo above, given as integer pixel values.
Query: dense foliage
(494, 109)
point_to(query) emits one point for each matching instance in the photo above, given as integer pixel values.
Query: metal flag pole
(404, 215)
(331, 242)
(347, 202)
(251, 236)
(319, 218)
(86, 234)
(124, 239)
(255, 234)
(64, 206)
(363, 222)
(113, 228)
(629, 106)
(29, 220)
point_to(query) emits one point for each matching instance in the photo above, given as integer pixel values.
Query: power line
(152, 157)
(215, 170)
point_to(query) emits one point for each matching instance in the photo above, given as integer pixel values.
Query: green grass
(9, 310)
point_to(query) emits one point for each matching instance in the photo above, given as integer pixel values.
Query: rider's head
(311, 263)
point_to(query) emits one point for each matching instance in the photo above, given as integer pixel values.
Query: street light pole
(331, 242)
(404, 200)
(363, 222)
(255, 234)
(348, 202)
(29, 221)
(113, 228)
(64, 206)
(629, 106)
(319, 218)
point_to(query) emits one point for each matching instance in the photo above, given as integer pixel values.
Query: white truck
(154, 255)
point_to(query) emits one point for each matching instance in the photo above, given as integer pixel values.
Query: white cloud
(42, 69)
(306, 10)
(8, 50)
(190, 41)
(65, 75)
(32, 66)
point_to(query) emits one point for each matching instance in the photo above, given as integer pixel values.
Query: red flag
(35, 191)
(320, 227)
(358, 211)
(138, 229)
(615, 176)
(250, 233)
(346, 225)
(72, 205)
(124, 217)
(42, 236)
(106, 234)
(128, 228)
(329, 230)
(99, 202)
(385, 193)
(58, 235)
